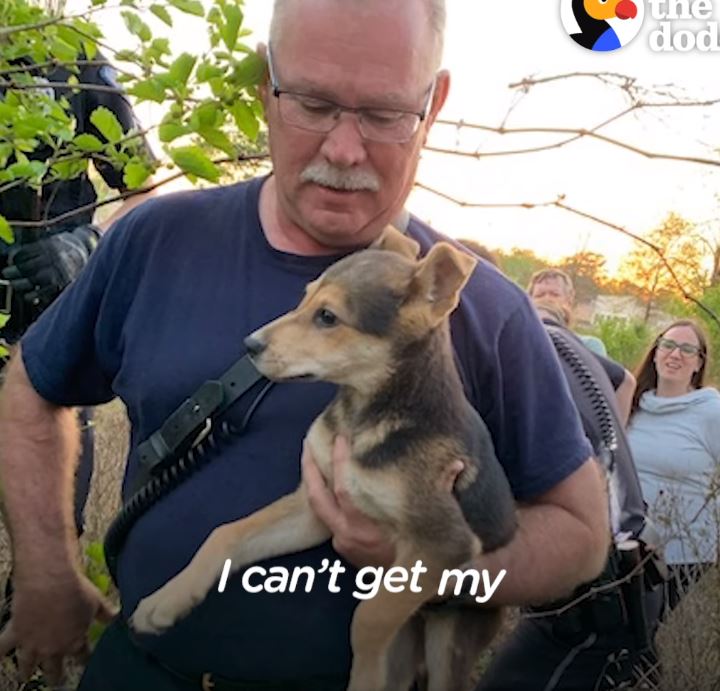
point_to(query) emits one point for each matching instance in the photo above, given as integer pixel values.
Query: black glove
(44, 268)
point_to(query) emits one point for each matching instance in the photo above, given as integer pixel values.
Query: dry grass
(689, 642)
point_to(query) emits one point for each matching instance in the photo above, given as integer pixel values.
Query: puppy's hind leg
(455, 637)
(407, 657)
(286, 526)
(439, 538)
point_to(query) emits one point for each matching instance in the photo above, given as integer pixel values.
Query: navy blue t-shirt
(163, 305)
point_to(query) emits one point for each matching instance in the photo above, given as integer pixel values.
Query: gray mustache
(336, 178)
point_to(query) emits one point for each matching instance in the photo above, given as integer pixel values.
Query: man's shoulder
(200, 200)
(205, 210)
(488, 300)
(505, 296)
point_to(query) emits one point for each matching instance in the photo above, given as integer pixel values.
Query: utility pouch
(633, 590)
(606, 612)
(656, 569)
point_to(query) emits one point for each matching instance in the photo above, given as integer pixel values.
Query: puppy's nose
(254, 345)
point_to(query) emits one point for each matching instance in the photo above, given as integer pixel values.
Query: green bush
(625, 341)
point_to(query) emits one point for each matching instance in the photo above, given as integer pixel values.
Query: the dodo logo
(602, 25)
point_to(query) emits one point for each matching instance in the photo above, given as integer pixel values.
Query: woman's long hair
(646, 374)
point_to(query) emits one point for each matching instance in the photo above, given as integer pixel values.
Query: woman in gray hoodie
(674, 434)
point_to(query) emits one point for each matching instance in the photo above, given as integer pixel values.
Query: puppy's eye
(325, 318)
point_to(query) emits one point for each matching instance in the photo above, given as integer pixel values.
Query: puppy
(376, 324)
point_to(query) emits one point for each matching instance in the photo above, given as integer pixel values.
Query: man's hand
(50, 620)
(44, 268)
(356, 537)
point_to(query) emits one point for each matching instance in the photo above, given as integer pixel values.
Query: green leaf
(70, 36)
(7, 112)
(4, 352)
(90, 49)
(189, 6)
(30, 125)
(102, 582)
(148, 90)
(27, 144)
(95, 631)
(6, 233)
(135, 173)
(160, 11)
(161, 46)
(181, 68)
(206, 71)
(5, 152)
(89, 28)
(108, 125)
(205, 115)
(88, 142)
(245, 119)
(95, 553)
(67, 170)
(125, 56)
(61, 50)
(249, 71)
(32, 170)
(169, 131)
(193, 161)
(233, 16)
(218, 139)
(136, 26)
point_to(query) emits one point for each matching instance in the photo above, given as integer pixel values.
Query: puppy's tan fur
(376, 324)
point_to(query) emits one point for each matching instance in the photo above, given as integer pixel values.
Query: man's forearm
(559, 544)
(38, 455)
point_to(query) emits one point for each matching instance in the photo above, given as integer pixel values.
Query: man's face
(356, 57)
(552, 289)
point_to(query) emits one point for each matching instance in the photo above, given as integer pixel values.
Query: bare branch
(577, 133)
(61, 218)
(560, 204)
(621, 81)
(9, 84)
(9, 30)
(54, 64)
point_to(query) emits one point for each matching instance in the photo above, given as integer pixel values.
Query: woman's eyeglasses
(685, 348)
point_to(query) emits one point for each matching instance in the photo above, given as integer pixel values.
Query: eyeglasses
(307, 112)
(670, 345)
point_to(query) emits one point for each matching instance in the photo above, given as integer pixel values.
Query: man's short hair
(549, 275)
(436, 15)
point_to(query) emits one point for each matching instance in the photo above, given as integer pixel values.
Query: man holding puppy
(352, 90)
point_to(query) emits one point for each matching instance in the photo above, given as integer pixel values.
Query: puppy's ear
(393, 240)
(440, 277)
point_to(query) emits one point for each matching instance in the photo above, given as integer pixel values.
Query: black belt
(212, 682)
(209, 681)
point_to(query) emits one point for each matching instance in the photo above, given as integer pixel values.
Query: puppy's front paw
(366, 678)
(159, 611)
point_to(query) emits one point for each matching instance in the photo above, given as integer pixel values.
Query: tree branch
(64, 86)
(577, 133)
(559, 203)
(61, 218)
